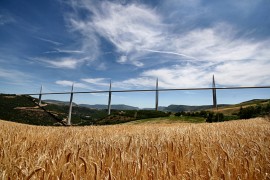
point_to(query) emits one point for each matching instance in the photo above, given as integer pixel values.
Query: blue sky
(90, 42)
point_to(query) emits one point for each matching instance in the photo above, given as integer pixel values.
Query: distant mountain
(95, 106)
(114, 106)
(58, 102)
(170, 108)
(160, 108)
(178, 108)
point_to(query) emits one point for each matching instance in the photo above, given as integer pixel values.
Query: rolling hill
(233, 109)
(114, 106)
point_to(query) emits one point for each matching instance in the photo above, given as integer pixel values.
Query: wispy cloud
(65, 51)
(49, 41)
(219, 43)
(65, 63)
(172, 77)
(6, 19)
(97, 81)
(102, 66)
(168, 52)
(83, 84)
(140, 29)
(14, 76)
(135, 83)
(231, 73)
(70, 83)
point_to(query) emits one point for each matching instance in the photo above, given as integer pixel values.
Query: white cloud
(185, 76)
(66, 63)
(168, 52)
(65, 51)
(102, 66)
(218, 43)
(97, 81)
(14, 75)
(128, 27)
(88, 42)
(140, 82)
(49, 41)
(70, 83)
(64, 83)
(231, 73)
(122, 59)
(244, 73)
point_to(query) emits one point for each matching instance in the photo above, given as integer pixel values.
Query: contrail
(168, 52)
(64, 51)
(49, 41)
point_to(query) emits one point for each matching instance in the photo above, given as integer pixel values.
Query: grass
(228, 150)
(170, 119)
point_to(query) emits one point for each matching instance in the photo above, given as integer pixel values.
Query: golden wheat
(230, 150)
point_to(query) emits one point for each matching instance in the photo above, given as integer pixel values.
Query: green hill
(234, 109)
(23, 109)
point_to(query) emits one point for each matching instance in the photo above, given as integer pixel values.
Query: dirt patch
(36, 108)
(9, 97)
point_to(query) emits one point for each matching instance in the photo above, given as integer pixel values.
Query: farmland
(229, 150)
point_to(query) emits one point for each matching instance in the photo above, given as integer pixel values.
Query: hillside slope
(23, 109)
(233, 109)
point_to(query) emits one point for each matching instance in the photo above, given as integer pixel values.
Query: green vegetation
(209, 116)
(170, 119)
(124, 116)
(141, 114)
(234, 109)
(187, 119)
(254, 111)
(80, 115)
(114, 119)
(248, 112)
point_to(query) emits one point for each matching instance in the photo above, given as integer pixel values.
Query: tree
(210, 117)
(219, 117)
(247, 113)
(203, 114)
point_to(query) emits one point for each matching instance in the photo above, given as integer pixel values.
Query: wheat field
(229, 150)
